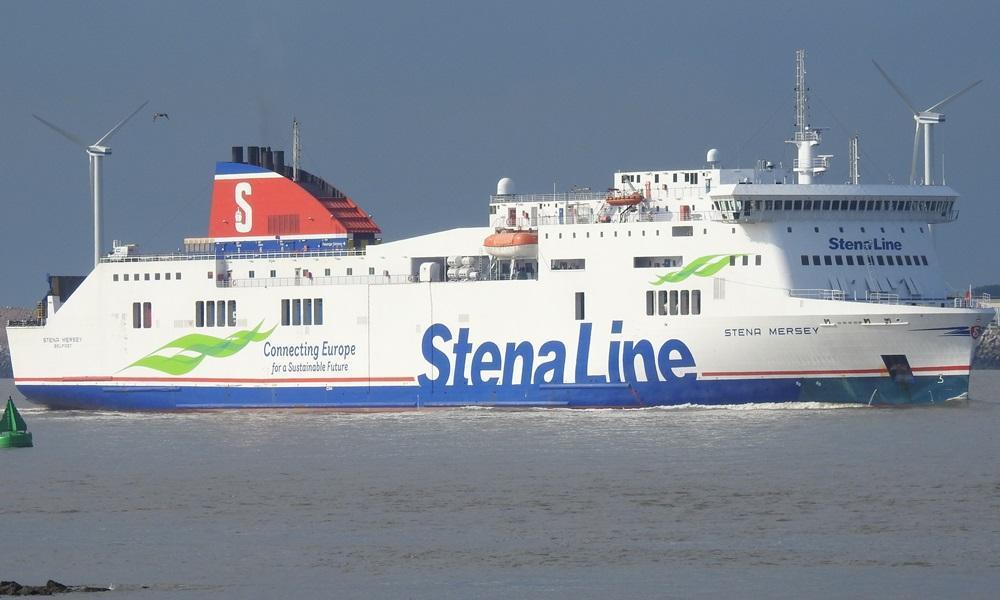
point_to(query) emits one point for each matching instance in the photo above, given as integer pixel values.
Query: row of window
(145, 276)
(215, 313)
(942, 206)
(142, 315)
(862, 260)
(673, 302)
(675, 231)
(308, 311)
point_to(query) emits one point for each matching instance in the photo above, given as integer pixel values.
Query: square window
(757, 261)
(177, 276)
(326, 272)
(274, 273)
(350, 271)
(156, 276)
(126, 276)
(209, 274)
(114, 277)
(145, 276)
(166, 276)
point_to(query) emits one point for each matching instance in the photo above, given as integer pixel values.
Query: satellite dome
(505, 187)
(712, 157)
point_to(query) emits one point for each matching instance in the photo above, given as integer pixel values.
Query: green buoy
(13, 430)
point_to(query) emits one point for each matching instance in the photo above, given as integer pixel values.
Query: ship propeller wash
(702, 285)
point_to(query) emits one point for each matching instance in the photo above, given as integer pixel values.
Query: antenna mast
(806, 165)
(296, 149)
(853, 157)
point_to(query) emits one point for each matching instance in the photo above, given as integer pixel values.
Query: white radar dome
(712, 157)
(505, 187)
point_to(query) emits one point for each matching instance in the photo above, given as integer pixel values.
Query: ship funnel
(279, 162)
(237, 154)
(253, 155)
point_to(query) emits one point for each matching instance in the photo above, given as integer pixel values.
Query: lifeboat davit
(632, 199)
(512, 244)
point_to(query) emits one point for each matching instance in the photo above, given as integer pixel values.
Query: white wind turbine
(925, 119)
(96, 153)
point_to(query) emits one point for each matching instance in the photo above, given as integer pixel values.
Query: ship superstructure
(703, 285)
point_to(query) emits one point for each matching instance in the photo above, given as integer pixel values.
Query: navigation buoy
(13, 431)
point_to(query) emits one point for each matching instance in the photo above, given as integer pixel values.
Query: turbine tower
(95, 153)
(926, 119)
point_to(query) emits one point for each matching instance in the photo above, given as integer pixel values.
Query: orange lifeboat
(512, 244)
(617, 199)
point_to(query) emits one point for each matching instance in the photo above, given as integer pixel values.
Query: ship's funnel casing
(249, 201)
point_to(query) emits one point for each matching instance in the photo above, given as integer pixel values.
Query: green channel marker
(13, 430)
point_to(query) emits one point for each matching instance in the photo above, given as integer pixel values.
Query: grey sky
(416, 109)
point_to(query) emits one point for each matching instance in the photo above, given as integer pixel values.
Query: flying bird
(158, 115)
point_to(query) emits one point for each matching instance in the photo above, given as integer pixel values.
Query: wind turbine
(925, 119)
(96, 153)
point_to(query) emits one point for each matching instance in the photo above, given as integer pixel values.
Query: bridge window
(805, 260)
(662, 302)
(880, 259)
(827, 260)
(650, 300)
(296, 312)
(756, 261)
(674, 296)
(682, 231)
(210, 313)
(199, 314)
(136, 315)
(685, 302)
(286, 312)
(307, 311)
(695, 302)
(923, 259)
(317, 311)
(231, 313)
(815, 260)
(909, 260)
(838, 259)
(579, 305)
(850, 260)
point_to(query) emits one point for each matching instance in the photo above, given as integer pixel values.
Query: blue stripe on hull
(861, 390)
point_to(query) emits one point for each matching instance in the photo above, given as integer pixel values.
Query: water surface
(786, 501)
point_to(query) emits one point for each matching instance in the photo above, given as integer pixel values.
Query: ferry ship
(705, 285)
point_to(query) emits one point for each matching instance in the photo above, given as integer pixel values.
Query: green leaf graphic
(191, 349)
(703, 266)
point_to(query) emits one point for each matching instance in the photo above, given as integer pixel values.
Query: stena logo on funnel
(244, 212)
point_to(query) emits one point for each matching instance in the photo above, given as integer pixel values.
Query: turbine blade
(896, 88)
(119, 125)
(916, 146)
(69, 136)
(953, 96)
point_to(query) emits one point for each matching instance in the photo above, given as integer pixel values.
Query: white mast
(853, 158)
(95, 154)
(296, 149)
(806, 165)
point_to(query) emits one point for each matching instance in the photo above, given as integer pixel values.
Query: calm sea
(777, 501)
